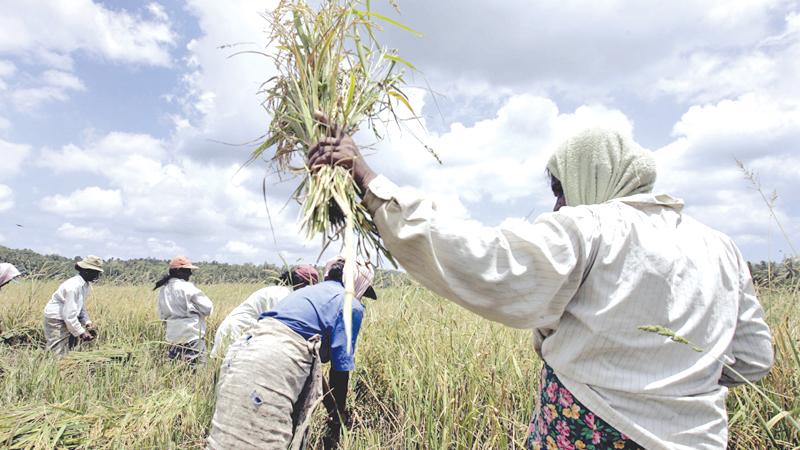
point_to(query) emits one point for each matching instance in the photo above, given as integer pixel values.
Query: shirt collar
(651, 199)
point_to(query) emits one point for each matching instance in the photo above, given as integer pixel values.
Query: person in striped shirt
(591, 279)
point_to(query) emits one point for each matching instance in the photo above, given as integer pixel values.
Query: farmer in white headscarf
(271, 378)
(611, 258)
(246, 315)
(65, 318)
(184, 309)
(7, 273)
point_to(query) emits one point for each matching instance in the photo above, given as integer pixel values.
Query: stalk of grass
(329, 60)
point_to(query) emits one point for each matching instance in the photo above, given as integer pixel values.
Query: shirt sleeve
(200, 303)
(521, 274)
(751, 349)
(341, 360)
(70, 312)
(83, 316)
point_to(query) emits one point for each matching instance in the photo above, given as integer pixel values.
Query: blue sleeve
(341, 361)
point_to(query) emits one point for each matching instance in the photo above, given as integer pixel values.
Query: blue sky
(112, 116)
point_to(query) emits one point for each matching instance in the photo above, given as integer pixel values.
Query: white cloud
(64, 80)
(49, 31)
(90, 202)
(13, 155)
(500, 159)
(82, 233)
(6, 198)
(220, 102)
(240, 248)
(52, 85)
(163, 247)
(7, 69)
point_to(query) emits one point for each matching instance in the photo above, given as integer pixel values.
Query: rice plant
(328, 60)
(428, 375)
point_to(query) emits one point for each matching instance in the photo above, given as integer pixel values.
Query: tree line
(148, 270)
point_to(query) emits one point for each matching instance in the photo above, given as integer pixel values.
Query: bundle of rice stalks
(104, 355)
(25, 335)
(159, 412)
(49, 426)
(329, 60)
(43, 426)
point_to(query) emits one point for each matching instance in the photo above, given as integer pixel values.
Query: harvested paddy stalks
(100, 356)
(328, 60)
(43, 426)
(26, 335)
(46, 426)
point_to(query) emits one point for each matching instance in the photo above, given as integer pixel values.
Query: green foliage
(428, 375)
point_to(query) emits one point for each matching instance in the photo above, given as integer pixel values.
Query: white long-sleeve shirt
(184, 308)
(68, 304)
(246, 314)
(584, 279)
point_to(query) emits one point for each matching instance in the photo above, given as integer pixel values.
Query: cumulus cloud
(82, 233)
(571, 47)
(240, 248)
(90, 202)
(14, 155)
(52, 85)
(6, 198)
(219, 99)
(50, 31)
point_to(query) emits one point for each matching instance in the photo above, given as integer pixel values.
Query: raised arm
(522, 275)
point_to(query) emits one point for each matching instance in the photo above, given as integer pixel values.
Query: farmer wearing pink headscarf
(7, 273)
(271, 377)
(246, 314)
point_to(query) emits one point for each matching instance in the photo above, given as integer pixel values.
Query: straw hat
(91, 262)
(181, 262)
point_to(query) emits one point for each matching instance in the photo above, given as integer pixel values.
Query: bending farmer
(613, 256)
(245, 315)
(65, 317)
(7, 273)
(271, 378)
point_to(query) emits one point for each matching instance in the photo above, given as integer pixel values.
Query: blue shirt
(317, 309)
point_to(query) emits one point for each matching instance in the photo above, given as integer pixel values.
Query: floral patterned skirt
(562, 422)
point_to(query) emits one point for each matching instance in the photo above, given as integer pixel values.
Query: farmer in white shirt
(246, 315)
(612, 257)
(7, 273)
(184, 309)
(65, 317)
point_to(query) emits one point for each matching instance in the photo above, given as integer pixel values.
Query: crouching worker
(184, 309)
(271, 379)
(7, 273)
(65, 318)
(245, 315)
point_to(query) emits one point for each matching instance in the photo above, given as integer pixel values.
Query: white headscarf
(597, 165)
(7, 273)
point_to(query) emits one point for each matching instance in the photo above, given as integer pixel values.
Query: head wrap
(597, 165)
(363, 276)
(305, 272)
(7, 273)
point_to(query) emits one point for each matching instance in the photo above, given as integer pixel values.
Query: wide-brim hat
(91, 262)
